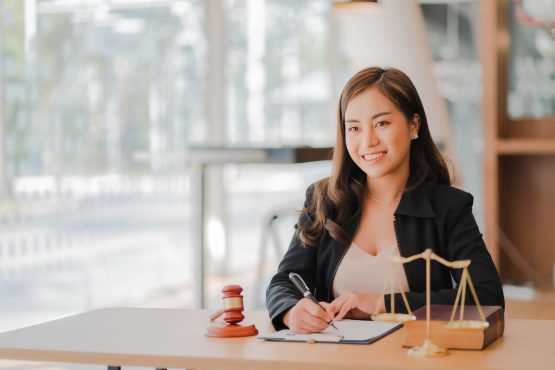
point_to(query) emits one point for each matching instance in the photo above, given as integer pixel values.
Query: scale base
(393, 317)
(428, 349)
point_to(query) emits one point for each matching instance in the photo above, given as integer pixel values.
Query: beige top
(364, 273)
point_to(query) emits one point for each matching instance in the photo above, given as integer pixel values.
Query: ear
(415, 124)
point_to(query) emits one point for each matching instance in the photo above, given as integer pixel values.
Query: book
(349, 332)
(455, 338)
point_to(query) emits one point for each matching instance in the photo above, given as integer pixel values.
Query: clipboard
(350, 332)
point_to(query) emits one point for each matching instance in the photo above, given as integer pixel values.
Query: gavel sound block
(233, 315)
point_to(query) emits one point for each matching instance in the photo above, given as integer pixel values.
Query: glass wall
(99, 104)
(96, 103)
(277, 92)
(278, 72)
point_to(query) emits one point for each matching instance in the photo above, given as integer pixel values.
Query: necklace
(384, 201)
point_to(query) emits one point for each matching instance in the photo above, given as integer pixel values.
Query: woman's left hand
(360, 305)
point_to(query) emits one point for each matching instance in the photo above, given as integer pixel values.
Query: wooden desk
(161, 338)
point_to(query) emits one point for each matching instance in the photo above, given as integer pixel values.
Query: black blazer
(432, 216)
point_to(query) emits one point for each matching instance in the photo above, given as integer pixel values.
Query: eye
(352, 129)
(381, 123)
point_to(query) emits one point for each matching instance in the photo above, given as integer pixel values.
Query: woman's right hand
(307, 317)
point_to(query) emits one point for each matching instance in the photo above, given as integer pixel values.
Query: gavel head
(232, 304)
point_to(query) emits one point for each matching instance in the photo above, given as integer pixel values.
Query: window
(278, 80)
(99, 100)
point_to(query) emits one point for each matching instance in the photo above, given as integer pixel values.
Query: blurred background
(149, 149)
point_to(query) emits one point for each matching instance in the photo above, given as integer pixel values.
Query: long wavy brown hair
(336, 199)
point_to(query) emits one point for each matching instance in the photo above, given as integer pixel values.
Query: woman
(389, 193)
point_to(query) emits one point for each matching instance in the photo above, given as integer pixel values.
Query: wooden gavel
(232, 305)
(233, 315)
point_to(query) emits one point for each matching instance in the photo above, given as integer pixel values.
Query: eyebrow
(373, 117)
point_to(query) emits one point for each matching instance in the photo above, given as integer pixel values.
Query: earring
(415, 136)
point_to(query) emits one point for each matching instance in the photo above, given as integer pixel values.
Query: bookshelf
(519, 163)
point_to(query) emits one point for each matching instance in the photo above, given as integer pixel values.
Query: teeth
(370, 157)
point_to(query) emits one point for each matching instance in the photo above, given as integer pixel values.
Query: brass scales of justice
(429, 348)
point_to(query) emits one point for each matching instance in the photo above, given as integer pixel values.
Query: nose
(370, 138)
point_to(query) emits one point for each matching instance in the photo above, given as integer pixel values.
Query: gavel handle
(216, 314)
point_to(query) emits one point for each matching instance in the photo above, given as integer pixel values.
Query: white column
(2, 139)
(256, 79)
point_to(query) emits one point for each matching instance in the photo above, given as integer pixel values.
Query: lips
(373, 156)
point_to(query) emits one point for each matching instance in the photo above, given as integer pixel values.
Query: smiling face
(378, 135)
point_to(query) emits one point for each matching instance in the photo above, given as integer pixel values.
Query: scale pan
(395, 317)
(466, 324)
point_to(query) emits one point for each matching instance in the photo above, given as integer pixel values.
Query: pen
(305, 291)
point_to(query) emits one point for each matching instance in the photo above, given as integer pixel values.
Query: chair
(270, 235)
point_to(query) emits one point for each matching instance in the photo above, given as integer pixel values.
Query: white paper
(348, 330)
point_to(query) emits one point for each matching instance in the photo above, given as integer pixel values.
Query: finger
(313, 314)
(317, 321)
(328, 308)
(335, 306)
(344, 310)
(317, 311)
(331, 311)
(313, 324)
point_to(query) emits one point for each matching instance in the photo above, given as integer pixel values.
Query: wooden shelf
(519, 158)
(526, 146)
